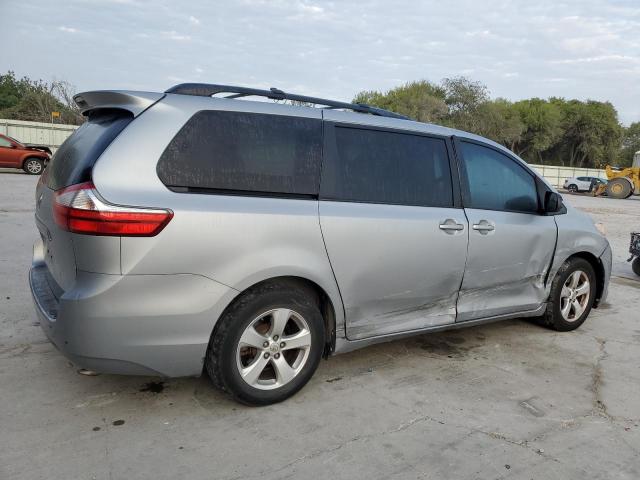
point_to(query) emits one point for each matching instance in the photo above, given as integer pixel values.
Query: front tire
(572, 295)
(33, 166)
(267, 345)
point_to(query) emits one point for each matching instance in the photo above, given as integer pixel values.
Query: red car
(31, 158)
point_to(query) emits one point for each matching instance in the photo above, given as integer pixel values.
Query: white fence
(49, 134)
(557, 175)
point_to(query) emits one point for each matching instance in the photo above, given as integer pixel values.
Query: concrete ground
(508, 400)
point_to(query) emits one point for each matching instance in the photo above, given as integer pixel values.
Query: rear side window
(73, 161)
(497, 182)
(245, 152)
(373, 166)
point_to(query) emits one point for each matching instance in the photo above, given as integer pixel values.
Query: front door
(396, 242)
(9, 155)
(511, 243)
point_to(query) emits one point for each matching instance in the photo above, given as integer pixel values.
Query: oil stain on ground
(153, 387)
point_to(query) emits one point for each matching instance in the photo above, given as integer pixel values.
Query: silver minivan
(197, 230)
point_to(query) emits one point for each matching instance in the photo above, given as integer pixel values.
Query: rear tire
(251, 353)
(573, 188)
(619, 188)
(635, 266)
(572, 295)
(33, 166)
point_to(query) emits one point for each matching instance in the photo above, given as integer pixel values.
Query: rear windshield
(73, 161)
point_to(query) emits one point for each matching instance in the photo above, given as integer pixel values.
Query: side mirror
(553, 202)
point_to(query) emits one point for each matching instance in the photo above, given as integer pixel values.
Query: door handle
(483, 227)
(450, 225)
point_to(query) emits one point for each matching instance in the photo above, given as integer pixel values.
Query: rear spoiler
(134, 102)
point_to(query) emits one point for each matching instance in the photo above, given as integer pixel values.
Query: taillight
(79, 209)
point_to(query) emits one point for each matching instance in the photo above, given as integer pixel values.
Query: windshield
(14, 140)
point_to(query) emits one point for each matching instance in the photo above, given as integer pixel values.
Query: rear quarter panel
(237, 241)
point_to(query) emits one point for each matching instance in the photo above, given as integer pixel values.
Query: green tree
(34, 100)
(500, 121)
(630, 144)
(464, 98)
(555, 131)
(11, 89)
(591, 133)
(421, 101)
(542, 128)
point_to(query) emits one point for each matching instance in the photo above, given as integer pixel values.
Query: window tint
(245, 152)
(386, 167)
(583, 179)
(497, 182)
(74, 160)
(4, 142)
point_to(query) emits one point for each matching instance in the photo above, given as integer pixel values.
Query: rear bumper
(132, 324)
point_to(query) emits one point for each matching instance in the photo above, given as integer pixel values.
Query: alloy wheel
(574, 297)
(33, 166)
(273, 349)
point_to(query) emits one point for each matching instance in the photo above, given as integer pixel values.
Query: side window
(497, 182)
(4, 142)
(584, 179)
(245, 152)
(372, 166)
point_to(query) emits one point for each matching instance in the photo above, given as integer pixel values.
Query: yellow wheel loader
(623, 182)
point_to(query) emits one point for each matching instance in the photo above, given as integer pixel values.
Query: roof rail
(208, 90)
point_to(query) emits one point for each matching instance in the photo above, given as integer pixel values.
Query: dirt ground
(507, 400)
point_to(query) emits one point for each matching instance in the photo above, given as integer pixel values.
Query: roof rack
(208, 90)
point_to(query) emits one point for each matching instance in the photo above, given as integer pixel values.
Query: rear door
(510, 242)
(584, 183)
(393, 227)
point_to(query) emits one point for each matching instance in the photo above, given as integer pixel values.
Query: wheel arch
(29, 156)
(324, 301)
(599, 270)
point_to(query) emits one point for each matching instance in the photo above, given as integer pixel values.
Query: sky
(586, 49)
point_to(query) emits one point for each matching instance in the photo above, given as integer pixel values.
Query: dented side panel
(506, 266)
(396, 269)
(578, 235)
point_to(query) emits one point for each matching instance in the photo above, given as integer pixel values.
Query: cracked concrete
(596, 385)
(508, 400)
